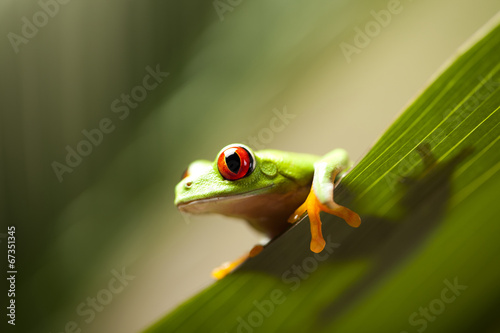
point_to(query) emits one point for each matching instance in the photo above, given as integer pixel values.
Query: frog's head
(237, 173)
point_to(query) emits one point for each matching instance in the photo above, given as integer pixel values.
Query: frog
(270, 189)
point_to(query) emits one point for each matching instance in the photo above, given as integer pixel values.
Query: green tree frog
(267, 188)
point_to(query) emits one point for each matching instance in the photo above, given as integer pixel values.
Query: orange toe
(227, 267)
(313, 208)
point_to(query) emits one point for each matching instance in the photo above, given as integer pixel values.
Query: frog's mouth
(225, 204)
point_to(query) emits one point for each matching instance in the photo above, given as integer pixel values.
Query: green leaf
(426, 254)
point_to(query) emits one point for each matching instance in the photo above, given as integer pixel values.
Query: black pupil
(233, 162)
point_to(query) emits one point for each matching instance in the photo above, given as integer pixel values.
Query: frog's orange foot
(313, 207)
(227, 267)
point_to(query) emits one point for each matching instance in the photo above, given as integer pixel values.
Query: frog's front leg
(321, 197)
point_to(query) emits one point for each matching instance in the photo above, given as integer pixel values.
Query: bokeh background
(232, 65)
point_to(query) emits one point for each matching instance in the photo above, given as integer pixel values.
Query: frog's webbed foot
(227, 267)
(320, 199)
(313, 207)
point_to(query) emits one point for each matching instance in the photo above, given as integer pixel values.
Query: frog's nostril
(188, 184)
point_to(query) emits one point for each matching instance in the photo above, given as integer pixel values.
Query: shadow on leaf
(385, 242)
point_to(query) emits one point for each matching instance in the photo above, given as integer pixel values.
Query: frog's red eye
(185, 174)
(235, 162)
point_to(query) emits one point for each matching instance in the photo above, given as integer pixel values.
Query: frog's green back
(294, 166)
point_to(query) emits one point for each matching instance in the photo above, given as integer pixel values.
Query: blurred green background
(230, 69)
